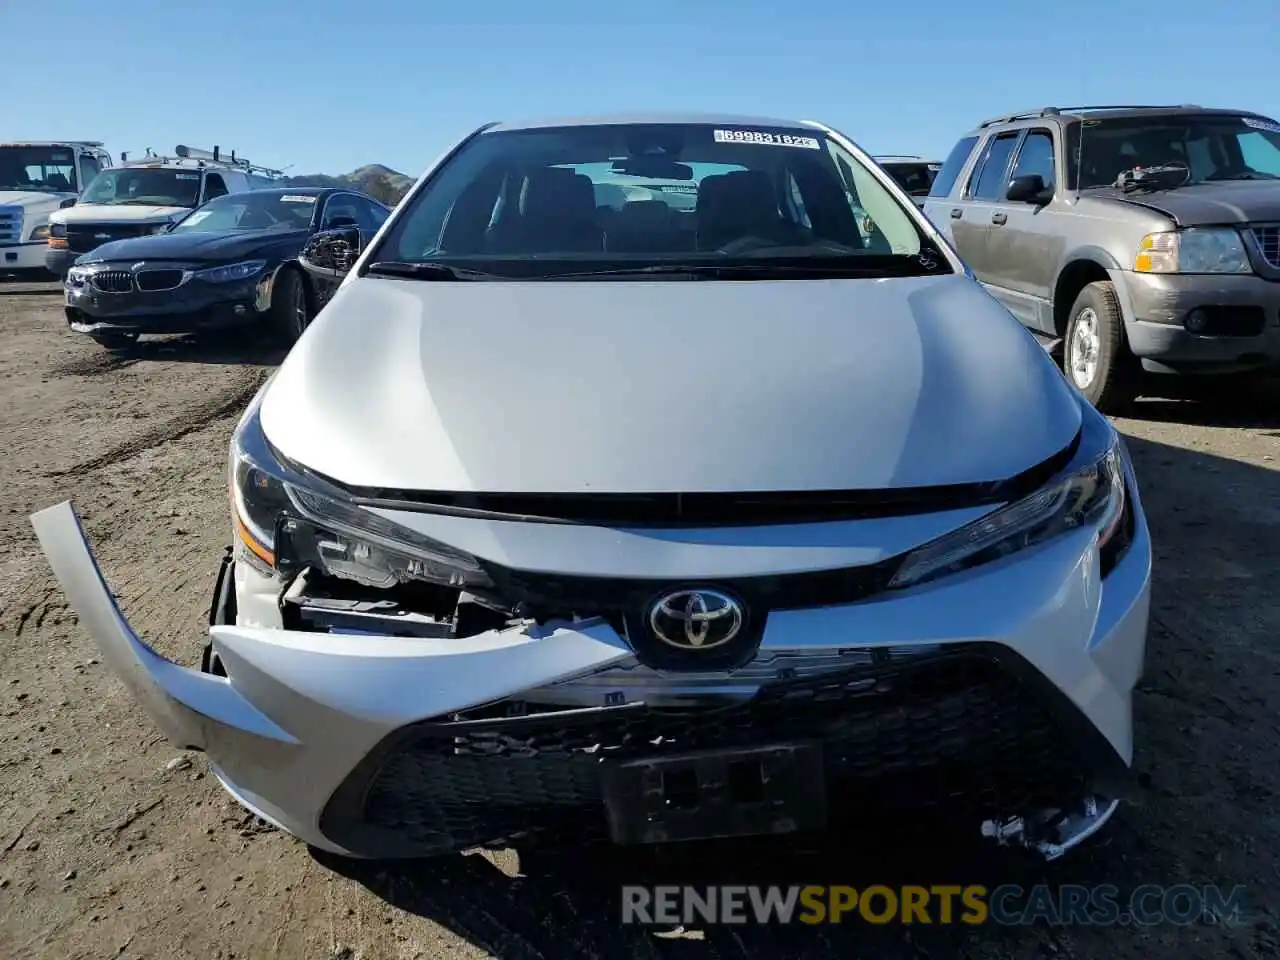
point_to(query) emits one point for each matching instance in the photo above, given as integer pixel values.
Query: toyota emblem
(696, 619)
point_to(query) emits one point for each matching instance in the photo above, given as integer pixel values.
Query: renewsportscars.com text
(1010, 904)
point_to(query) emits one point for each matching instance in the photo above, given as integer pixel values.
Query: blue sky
(328, 85)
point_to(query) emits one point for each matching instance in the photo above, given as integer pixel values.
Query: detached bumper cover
(195, 305)
(380, 746)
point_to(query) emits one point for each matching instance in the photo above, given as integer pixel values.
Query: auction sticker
(767, 139)
(297, 198)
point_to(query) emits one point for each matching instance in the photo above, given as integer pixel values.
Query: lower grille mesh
(957, 734)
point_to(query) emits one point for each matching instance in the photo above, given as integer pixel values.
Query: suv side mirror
(69, 202)
(1028, 189)
(329, 254)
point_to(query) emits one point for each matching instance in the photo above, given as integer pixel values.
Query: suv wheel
(1095, 357)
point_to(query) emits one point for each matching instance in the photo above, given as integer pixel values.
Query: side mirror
(1028, 189)
(333, 223)
(69, 202)
(330, 253)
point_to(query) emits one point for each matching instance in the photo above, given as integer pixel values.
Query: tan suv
(1130, 239)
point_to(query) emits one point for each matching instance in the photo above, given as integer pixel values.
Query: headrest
(742, 194)
(557, 193)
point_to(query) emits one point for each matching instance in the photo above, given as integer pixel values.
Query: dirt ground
(113, 844)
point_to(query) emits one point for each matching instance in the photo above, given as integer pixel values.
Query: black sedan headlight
(1091, 492)
(287, 519)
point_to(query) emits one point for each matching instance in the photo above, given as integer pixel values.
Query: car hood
(644, 387)
(31, 199)
(196, 245)
(117, 213)
(1207, 204)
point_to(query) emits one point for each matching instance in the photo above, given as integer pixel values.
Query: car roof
(721, 119)
(1115, 112)
(296, 191)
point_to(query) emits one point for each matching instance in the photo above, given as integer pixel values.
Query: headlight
(1091, 494)
(232, 271)
(285, 520)
(40, 233)
(77, 276)
(1201, 250)
(58, 230)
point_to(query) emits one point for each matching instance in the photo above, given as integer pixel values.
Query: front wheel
(1095, 357)
(114, 341)
(290, 308)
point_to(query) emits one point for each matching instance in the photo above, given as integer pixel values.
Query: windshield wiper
(424, 271)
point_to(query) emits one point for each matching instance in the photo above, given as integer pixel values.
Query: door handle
(999, 219)
(956, 213)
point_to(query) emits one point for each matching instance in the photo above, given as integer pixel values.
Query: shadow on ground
(229, 348)
(1207, 735)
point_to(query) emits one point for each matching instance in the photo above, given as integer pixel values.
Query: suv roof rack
(1056, 111)
(184, 156)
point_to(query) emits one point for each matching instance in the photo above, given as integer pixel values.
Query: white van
(146, 196)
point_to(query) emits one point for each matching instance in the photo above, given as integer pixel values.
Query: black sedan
(228, 263)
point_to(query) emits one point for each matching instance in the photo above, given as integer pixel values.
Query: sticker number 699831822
(767, 139)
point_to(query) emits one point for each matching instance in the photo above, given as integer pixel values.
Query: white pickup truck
(144, 196)
(36, 179)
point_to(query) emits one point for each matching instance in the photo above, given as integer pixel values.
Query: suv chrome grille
(155, 280)
(112, 281)
(10, 224)
(1268, 240)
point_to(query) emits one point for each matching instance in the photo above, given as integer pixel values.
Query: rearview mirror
(69, 202)
(330, 253)
(1028, 189)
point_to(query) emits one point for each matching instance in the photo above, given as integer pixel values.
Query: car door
(938, 205)
(972, 217)
(1023, 249)
(339, 210)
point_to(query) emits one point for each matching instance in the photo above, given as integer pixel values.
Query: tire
(290, 306)
(1095, 356)
(114, 341)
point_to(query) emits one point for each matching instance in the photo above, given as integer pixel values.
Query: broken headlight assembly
(1091, 492)
(287, 520)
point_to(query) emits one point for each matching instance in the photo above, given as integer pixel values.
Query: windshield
(915, 178)
(570, 199)
(151, 186)
(1211, 148)
(271, 210)
(37, 168)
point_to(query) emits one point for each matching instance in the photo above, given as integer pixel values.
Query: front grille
(1268, 240)
(958, 734)
(83, 237)
(112, 281)
(155, 280)
(10, 224)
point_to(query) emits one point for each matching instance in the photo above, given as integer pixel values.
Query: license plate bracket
(711, 794)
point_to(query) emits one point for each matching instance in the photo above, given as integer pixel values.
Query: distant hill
(378, 181)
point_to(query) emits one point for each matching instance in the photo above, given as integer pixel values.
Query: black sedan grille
(958, 734)
(152, 281)
(113, 281)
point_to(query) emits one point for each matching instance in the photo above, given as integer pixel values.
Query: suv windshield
(37, 168)
(621, 197)
(153, 186)
(916, 178)
(1212, 148)
(271, 210)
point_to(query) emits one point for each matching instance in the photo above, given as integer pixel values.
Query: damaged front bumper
(373, 745)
